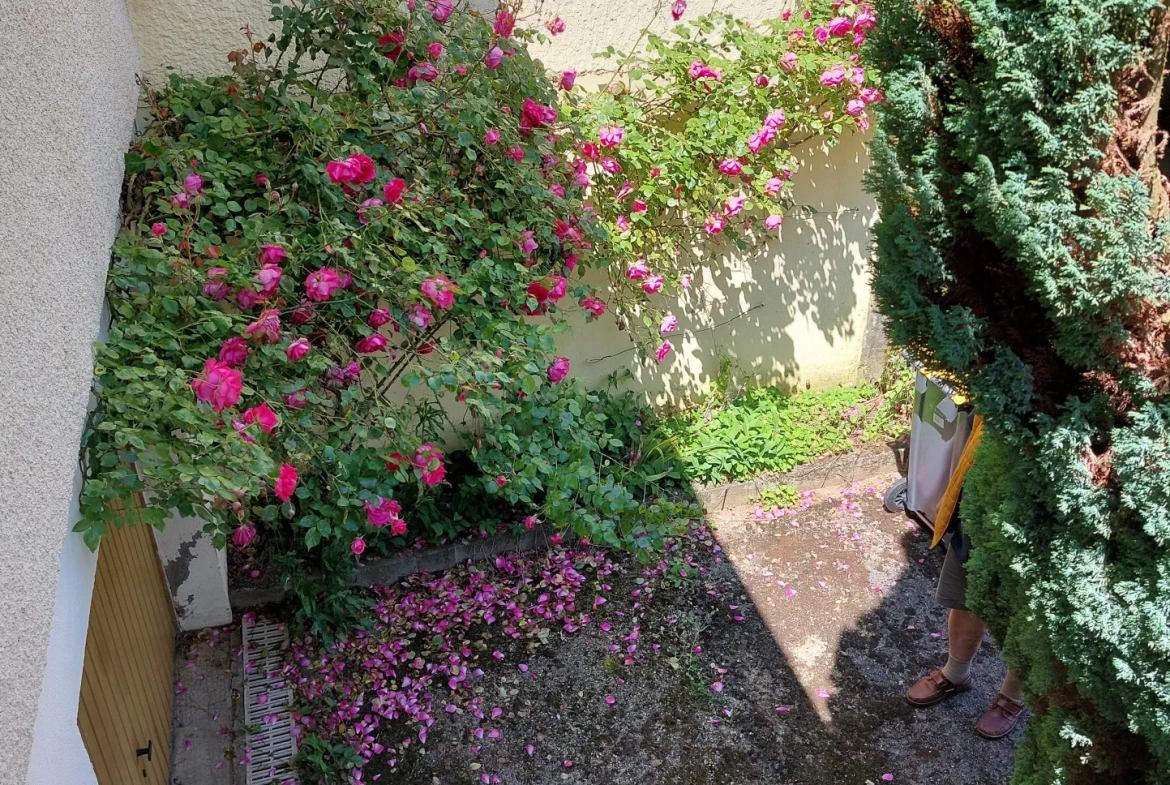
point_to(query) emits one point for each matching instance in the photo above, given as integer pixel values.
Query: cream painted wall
(68, 101)
(795, 312)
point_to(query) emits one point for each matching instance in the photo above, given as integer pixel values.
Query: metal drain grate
(266, 698)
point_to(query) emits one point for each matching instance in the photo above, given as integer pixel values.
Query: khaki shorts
(952, 584)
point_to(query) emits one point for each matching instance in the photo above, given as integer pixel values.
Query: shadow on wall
(790, 312)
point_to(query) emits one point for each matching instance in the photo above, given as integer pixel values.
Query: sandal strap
(1007, 705)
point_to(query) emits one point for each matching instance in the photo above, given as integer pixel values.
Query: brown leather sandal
(1000, 719)
(933, 687)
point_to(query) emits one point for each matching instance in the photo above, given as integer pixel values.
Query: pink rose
(193, 184)
(568, 79)
(788, 61)
(234, 352)
(269, 277)
(555, 26)
(526, 243)
(378, 318)
(215, 288)
(840, 26)
(418, 316)
(700, 71)
(762, 80)
(303, 313)
(558, 370)
(595, 307)
(394, 190)
(855, 107)
(492, 136)
(652, 283)
(865, 20)
(663, 350)
(556, 189)
(358, 546)
(678, 9)
(382, 513)
(516, 153)
(493, 58)
(397, 527)
(857, 76)
(370, 344)
(773, 186)
(775, 119)
(439, 290)
(505, 22)
(297, 350)
(435, 49)
(266, 328)
(760, 138)
(610, 165)
(733, 206)
(180, 201)
(158, 229)
(590, 150)
(834, 76)
(243, 536)
(441, 10)
(286, 483)
(424, 72)
(272, 254)
(428, 460)
(822, 35)
(638, 270)
(247, 299)
(730, 166)
(638, 206)
(296, 400)
(623, 223)
(366, 207)
(611, 135)
(219, 384)
(669, 324)
(263, 416)
(534, 115)
(320, 284)
(773, 222)
(714, 224)
(870, 95)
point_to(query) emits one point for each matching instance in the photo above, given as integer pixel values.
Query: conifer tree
(1023, 249)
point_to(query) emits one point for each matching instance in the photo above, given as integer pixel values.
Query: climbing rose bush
(698, 139)
(364, 237)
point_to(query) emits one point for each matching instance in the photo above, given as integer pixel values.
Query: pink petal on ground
(530, 749)
(451, 709)
(568, 764)
(822, 694)
(887, 777)
(783, 709)
(717, 686)
(610, 699)
(791, 592)
(523, 668)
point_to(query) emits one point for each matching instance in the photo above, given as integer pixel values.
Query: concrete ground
(784, 663)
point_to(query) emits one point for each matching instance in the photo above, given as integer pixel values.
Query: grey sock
(957, 670)
(1012, 688)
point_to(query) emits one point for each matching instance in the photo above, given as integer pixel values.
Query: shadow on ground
(784, 663)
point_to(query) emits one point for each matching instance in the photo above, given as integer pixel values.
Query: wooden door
(127, 680)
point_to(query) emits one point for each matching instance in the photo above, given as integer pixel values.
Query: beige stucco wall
(68, 100)
(793, 313)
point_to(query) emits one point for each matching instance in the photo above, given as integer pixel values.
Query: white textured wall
(68, 100)
(809, 289)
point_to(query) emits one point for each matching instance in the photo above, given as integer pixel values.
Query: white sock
(957, 671)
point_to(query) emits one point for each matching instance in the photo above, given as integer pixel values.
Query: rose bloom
(219, 384)
(834, 76)
(382, 513)
(247, 299)
(493, 58)
(568, 79)
(855, 107)
(320, 284)
(505, 22)
(425, 72)
(773, 222)
(773, 186)
(590, 150)
(822, 35)
(272, 254)
(638, 207)
(555, 26)
(558, 370)
(775, 119)
(428, 459)
(158, 229)
(297, 350)
(685, 281)
(652, 283)
(733, 206)
(595, 307)
(663, 350)
(262, 415)
(611, 135)
(638, 270)
(370, 344)
(435, 50)
(441, 10)
(492, 136)
(233, 352)
(358, 546)
(215, 288)
(394, 190)
(296, 400)
(788, 61)
(286, 483)
(378, 318)
(669, 324)
(418, 316)
(266, 328)
(623, 223)
(678, 9)
(610, 165)
(762, 80)
(244, 535)
(714, 224)
(730, 166)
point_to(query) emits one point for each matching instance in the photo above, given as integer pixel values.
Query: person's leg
(964, 634)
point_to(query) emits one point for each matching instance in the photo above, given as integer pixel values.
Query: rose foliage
(698, 138)
(362, 241)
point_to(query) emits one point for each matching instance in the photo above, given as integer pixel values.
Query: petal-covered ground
(765, 649)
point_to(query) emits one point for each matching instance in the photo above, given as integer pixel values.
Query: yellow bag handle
(950, 499)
